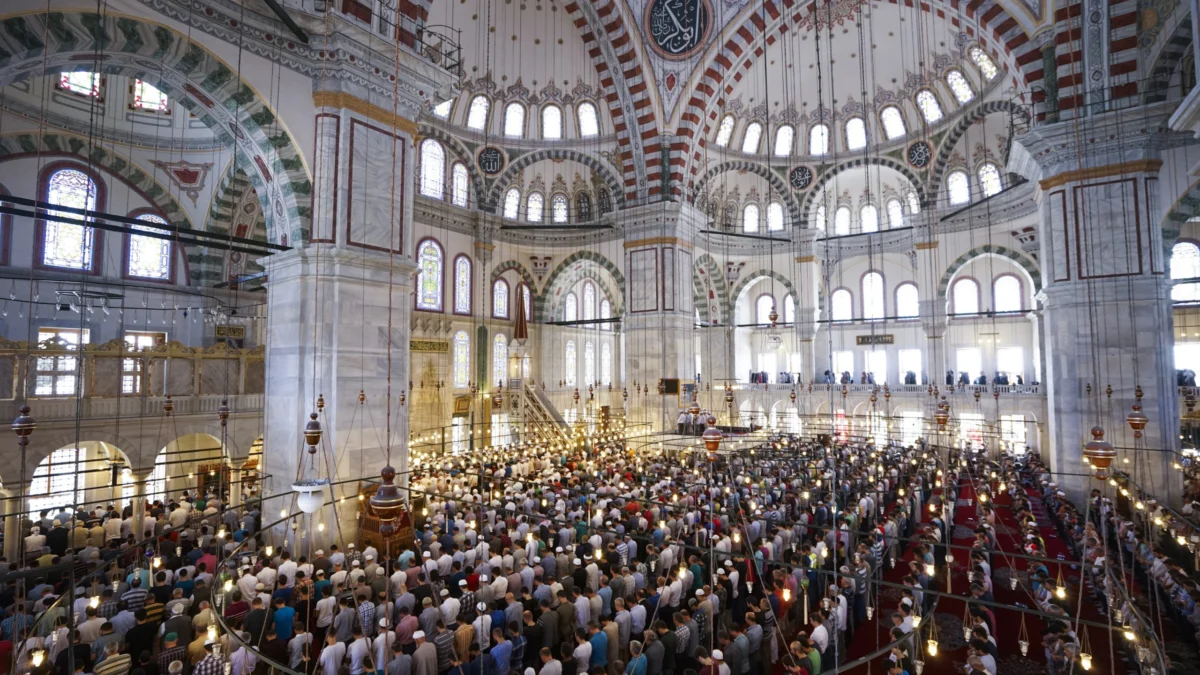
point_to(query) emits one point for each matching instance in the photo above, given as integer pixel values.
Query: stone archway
(710, 291)
(517, 164)
(778, 185)
(1025, 263)
(954, 135)
(900, 167)
(748, 279)
(200, 81)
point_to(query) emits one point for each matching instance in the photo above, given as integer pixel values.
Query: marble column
(808, 283)
(1107, 314)
(14, 538)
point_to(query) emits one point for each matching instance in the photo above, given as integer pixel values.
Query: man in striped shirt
(135, 597)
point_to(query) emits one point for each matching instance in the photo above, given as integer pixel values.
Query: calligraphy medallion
(491, 161)
(678, 29)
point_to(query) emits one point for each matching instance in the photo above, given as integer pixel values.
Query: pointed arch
(710, 291)
(518, 164)
(778, 185)
(520, 270)
(612, 283)
(460, 152)
(750, 278)
(955, 133)
(988, 249)
(814, 192)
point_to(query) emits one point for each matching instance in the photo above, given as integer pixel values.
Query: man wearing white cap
(425, 658)
(483, 627)
(449, 607)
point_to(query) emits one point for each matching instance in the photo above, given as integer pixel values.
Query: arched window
(605, 313)
(583, 206)
(820, 217)
(477, 114)
(523, 293)
(569, 363)
(914, 204)
(868, 217)
(514, 120)
(462, 359)
(512, 203)
(725, 131)
(533, 207)
(603, 201)
(908, 305)
(872, 290)
(442, 110)
(571, 308)
(959, 187)
(751, 137)
(500, 299)
(981, 59)
(959, 85)
(789, 309)
(552, 122)
(589, 363)
(893, 122)
(433, 168)
(429, 275)
(558, 208)
(774, 217)
(731, 214)
(762, 309)
(462, 285)
(149, 257)
(750, 218)
(966, 297)
(589, 122)
(605, 364)
(989, 179)
(856, 133)
(841, 220)
(459, 181)
(1185, 264)
(931, 110)
(783, 140)
(57, 481)
(818, 139)
(1006, 294)
(589, 301)
(841, 305)
(499, 359)
(895, 213)
(63, 244)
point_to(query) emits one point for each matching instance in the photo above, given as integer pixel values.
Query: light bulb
(269, 550)
(1060, 592)
(228, 585)
(931, 646)
(39, 655)
(320, 527)
(916, 621)
(212, 631)
(94, 601)
(1085, 660)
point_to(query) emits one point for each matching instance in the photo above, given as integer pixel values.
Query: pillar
(808, 283)
(14, 538)
(139, 505)
(1107, 307)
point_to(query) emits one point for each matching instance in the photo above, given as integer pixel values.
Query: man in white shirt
(333, 654)
(359, 651)
(818, 634)
(287, 568)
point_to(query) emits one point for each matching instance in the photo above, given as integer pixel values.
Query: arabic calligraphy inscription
(678, 28)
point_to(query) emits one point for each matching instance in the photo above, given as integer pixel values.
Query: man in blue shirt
(284, 618)
(501, 653)
(599, 642)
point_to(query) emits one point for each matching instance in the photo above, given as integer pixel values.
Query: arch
(508, 265)
(1020, 259)
(814, 191)
(516, 165)
(579, 259)
(235, 208)
(955, 133)
(750, 278)
(1186, 207)
(197, 79)
(1175, 44)
(460, 152)
(778, 185)
(710, 292)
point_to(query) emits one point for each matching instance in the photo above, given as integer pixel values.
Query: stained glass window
(893, 122)
(433, 168)
(751, 137)
(725, 131)
(583, 206)
(603, 201)
(459, 190)
(462, 359)
(558, 208)
(500, 299)
(959, 85)
(774, 217)
(984, 62)
(514, 120)
(477, 114)
(818, 139)
(872, 289)
(552, 122)
(80, 82)
(571, 308)
(589, 363)
(605, 313)
(856, 133)
(907, 301)
(429, 275)
(869, 218)
(841, 305)
(895, 213)
(605, 364)
(966, 297)
(589, 122)
(569, 363)
(149, 257)
(499, 359)
(462, 285)
(64, 244)
(731, 213)
(841, 220)
(959, 187)
(56, 480)
(914, 204)
(442, 109)
(148, 97)
(989, 179)
(930, 108)
(533, 207)
(1006, 294)
(512, 203)
(750, 218)
(589, 301)
(783, 140)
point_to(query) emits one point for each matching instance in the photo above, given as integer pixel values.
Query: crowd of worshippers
(586, 563)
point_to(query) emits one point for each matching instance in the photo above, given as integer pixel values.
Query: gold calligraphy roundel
(677, 29)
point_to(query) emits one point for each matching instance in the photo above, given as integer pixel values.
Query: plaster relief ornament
(189, 177)
(678, 28)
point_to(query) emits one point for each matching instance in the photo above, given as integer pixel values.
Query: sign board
(462, 406)
(875, 340)
(230, 332)
(431, 346)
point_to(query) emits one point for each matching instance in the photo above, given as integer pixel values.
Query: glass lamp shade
(310, 494)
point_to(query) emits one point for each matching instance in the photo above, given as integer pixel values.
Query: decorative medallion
(678, 28)
(919, 154)
(186, 176)
(800, 177)
(491, 161)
